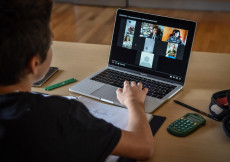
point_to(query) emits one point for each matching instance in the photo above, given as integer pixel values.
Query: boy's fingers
(146, 90)
(119, 90)
(133, 84)
(140, 85)
(126, 84)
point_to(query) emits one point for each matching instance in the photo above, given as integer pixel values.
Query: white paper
(115, 115)
(112, 114)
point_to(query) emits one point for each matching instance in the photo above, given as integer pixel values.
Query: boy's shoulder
(54, 99)
(38, 103)
(54, 102)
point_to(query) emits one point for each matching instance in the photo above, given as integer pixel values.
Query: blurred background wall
(210, 5)
(92, 21)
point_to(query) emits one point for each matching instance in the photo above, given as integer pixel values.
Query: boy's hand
(131, 93)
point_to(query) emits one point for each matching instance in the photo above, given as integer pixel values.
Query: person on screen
(172, 51)
(127, 42)
(156, 34)
(40, 127)
(131, 30)
(175, 37)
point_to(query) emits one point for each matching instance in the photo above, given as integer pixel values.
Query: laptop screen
(152, 44)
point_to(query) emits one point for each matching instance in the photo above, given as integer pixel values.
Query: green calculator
(186, 125)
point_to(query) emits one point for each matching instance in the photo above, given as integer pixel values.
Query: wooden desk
(207, 73)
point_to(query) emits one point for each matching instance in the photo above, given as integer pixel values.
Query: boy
(35, 127)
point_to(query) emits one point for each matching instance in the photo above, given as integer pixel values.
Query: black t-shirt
(34, 127)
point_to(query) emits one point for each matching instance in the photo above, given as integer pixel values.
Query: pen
(196, 110)
(48, 88)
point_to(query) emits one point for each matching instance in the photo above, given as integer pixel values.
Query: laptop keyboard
(156, 89)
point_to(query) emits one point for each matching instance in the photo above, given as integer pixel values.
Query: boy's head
(24, 33)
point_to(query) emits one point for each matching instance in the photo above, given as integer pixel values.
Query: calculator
(186, 124)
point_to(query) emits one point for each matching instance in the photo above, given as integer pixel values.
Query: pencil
(196, 110)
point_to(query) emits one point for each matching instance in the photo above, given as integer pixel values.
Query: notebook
(161, 67)
(113, 114)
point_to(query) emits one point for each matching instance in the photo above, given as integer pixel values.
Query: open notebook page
(115, 115)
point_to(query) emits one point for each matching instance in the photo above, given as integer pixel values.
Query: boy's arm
(137, 142)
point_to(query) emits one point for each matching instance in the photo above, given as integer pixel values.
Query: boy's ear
(33, 64)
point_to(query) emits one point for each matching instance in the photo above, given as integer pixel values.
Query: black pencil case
(218, 109)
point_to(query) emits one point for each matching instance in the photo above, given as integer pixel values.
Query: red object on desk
(222, 101)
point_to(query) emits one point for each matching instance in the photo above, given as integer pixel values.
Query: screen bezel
(161, 20)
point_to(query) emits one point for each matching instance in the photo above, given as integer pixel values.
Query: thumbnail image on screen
(152, 31)
(171, 51)
(129, 34)
(175, 35)
(149, 45)
(146, 59)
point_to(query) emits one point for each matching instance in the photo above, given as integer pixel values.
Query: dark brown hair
(24, 32)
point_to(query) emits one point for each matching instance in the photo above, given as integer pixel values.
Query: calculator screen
(193, 119)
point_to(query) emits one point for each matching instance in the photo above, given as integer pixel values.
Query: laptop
(161, 67)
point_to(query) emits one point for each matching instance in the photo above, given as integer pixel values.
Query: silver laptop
(162, 70)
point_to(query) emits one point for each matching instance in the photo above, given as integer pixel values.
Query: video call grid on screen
(155, 46)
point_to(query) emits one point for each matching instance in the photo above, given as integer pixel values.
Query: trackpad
(107, 92)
